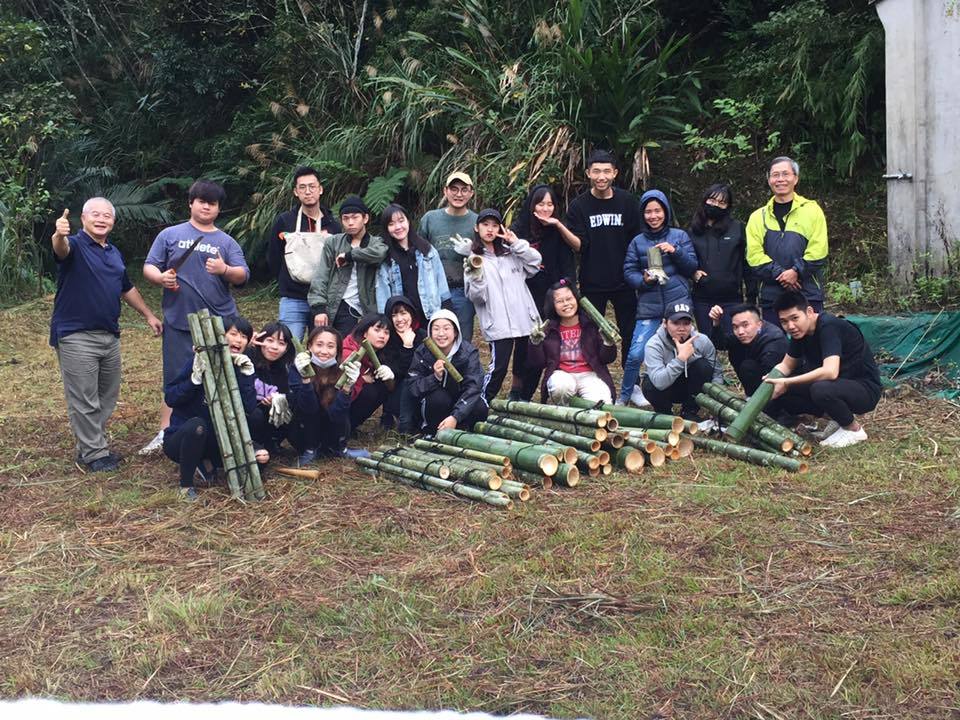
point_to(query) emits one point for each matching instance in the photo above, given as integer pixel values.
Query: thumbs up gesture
(215, 265)
(63, 225)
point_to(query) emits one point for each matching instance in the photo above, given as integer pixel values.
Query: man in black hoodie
(602, 222)
(309, 217)
(755, 345)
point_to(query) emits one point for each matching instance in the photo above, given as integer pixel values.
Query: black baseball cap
(489, 213)
(677, 311)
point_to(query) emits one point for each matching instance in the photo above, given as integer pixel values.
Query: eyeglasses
(781, 175)
(460, 190)
(312, 186)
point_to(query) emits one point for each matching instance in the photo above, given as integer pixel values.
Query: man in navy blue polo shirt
(85, 327)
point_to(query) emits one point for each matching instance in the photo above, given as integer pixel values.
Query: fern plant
(384, 189)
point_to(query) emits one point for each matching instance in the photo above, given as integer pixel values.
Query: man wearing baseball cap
(679, 361)
(439, 227)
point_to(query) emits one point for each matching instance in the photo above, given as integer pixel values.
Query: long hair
(498, 247)
(719, 191)
(324, 380)
(413, 238)
(368, 321)
(269, 330)
(535, 227)
(549, 311)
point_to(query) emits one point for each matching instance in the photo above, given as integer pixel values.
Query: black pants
(400, 408)
(366, 403)
(500, 351)
(701, 314)
(837, 399)
(345, 320)
(625, 310)
(438, 406)
(267, 436)
(320, 433)
(192, 443)
(682, 391)
(750, 374)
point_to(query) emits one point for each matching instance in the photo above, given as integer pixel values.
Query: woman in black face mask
(721, 246)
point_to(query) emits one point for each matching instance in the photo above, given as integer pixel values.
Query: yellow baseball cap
(461, 176)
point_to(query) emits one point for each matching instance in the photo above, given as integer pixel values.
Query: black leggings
(838, 399)
(372, 396)
(683, 390)
(191, 443)
(437, 406)
(500, 351)
(625, 310)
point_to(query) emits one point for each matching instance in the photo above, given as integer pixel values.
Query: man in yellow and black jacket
(787, 242)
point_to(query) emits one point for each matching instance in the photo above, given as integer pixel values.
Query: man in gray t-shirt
(438, 227)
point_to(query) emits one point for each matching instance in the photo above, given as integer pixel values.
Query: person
(444, 402)
(308, 216)
(372, 388)
(655, 292)
(679, 361)
(602, 222)
(570, 349)
(720, 245)
(498, 291)
(838, 374)
(440, 227)
(85, 326)
(754, 345)
(272, 352)
(321, 411)
(189, 440)
(787, 242)
(406, 335)
(344, 287)
(538, 222)
(412, 268)
(195, 263)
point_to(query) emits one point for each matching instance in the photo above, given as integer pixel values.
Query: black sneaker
(188, 493)
(103, 464)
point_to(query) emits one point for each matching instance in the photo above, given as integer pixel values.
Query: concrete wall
(923, 135)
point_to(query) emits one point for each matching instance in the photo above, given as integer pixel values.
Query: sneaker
(637, 398)
(154, 445)
(102, 464)
(354, 453)
(844, 438)
(202, 477)
(829, 429)
(708, 425)
(188, 493)
(307, 457)
(620, 402)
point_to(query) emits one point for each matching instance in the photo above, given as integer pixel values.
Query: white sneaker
(619, 402)
(637, 398)
(707, 425)
(152, 446)
(844, 438)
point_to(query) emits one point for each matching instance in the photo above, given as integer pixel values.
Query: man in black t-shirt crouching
(839, 375)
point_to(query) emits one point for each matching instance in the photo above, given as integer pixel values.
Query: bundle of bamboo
(226, 408)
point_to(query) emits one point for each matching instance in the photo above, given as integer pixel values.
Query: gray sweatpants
(90, 368)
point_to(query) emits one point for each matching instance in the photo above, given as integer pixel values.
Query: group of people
(678, 296)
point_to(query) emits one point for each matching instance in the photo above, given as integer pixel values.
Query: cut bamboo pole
(566, 438)
(467, 453)
(565, 453)
(633, 417)
(518, 491)
(375, 363)
(308, 371)
(356, 355)
(751, 455)
(630, 459)
(491, 497)
(530, 457)
(439, 355)
(721, 394)
(478, 474)
(590, 432)
(437, 469)
(737, 429)
(598, 418)
(567, 475)
(298, 473)
(728, 415)
(534, 480)
(606, 329)
(668, 436)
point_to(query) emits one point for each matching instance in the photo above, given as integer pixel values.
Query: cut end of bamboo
(803, 467)
(594, 445)
(612, 423)
(570, 455)
(593, 462)
(548, 464)
(606, 469)
(299, 473)
(673, 438)
(685, 446)
(634, 462)
(524, 494)
(496, 482)
(594, 472)
(690, 427)
(806, 449)
(679, 424)
(657, 456)
(604, 457)
(787, 445)
(572, 476)
(616, 440)
(476, 261)
(601, 434)
(546, 483)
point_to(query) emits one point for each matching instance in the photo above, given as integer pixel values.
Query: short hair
(784, 159)
(303, 171)
(92, 200)
(601, 157)
(789, 301)
(240, 323)
(208, 191)
(368, 321)
(745, 307)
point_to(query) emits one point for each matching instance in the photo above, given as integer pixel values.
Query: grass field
(704, 589)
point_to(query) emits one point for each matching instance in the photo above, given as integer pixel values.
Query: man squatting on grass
(755, 346)
(839, 378)
(85, 327)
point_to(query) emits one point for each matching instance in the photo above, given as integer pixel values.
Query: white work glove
(243, 363)
(199, 365)
(352, 371)
(302, 361)
(470, 271)
(537, 333)
(280, 413)
(383, 374)
(461, 245)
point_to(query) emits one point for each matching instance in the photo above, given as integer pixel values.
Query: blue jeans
(643, 331)
(295, 314)
(464, 311)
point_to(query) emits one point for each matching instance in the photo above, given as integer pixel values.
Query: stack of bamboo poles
(226, 408)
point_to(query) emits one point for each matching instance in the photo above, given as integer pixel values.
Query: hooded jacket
(802, 245)
(556, 257)
(663, 365)
(500, 295)
(679, 265)
(394, 353)
(546, 355)
(465, 359)
(431, 288)
(330, 282)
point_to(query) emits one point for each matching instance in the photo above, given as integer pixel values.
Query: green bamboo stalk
(564, 453)
(591, 432)
(720, 393)
(654, 453)
(631, 459)
(355, 355)
(577, 441)
(634, 417)
(553, 412)
(529, 457)
(466, 453)
(728, 415)
(737, 429)
(491, 497)
(308, 372)
(437, 469)
(751, 455)
(539, 480)
(485, 477)
(233, 388)
(517, 491)
(606, 329)
(216, 412)
(440, 355)
(567, 475)
(668, 436)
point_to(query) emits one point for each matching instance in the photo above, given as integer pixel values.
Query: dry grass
(707, 588)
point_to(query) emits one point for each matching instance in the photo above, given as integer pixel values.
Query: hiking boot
(354, 453)
(102, 464)
(152, 446)
(844, 438)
